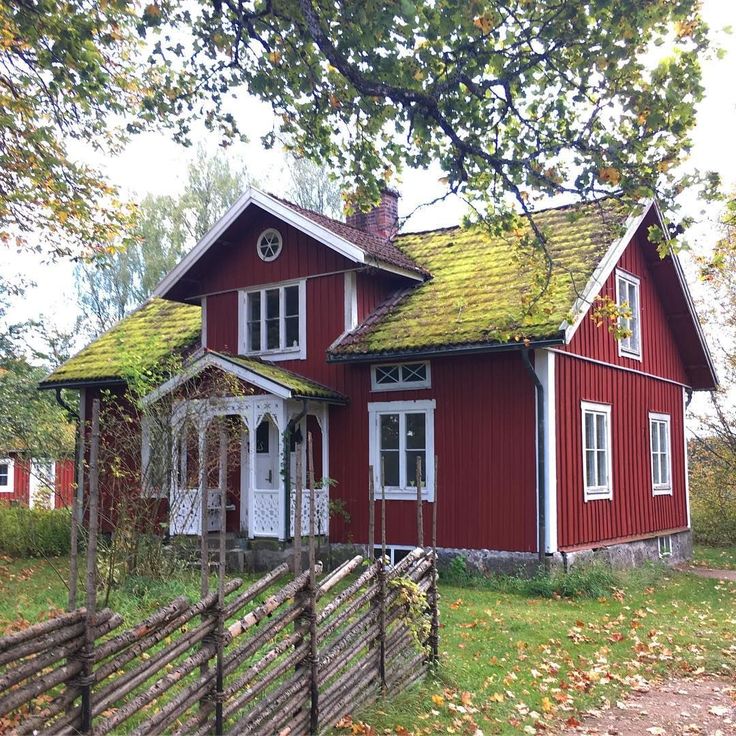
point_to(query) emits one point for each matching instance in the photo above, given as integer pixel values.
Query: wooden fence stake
(313, 662)
(77, 509)
(382, 585)
(220, 634)
(370, 553)
(298, 501)
(87, 678)
(204, 572)
(434, 597)
(420, 510)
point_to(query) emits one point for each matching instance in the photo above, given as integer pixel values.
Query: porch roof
(267, 376)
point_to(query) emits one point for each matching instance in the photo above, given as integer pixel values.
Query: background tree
(314, 188)
(111, 285)
(713, 449)
(513, 99)
(69, 71)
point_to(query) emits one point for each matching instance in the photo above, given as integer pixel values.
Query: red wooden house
(541, 433)
(32, 482)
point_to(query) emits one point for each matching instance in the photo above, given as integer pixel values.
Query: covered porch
(252, 445)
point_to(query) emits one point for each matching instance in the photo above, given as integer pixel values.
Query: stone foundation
(486, 561)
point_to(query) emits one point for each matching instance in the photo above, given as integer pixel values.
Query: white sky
(153, 163)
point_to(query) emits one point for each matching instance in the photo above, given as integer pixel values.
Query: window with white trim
(596, 450)
(627, 298)
(402, 435)
(664, 545)
(660, 453)
(274, 321)
(398, 376)
(270, 244)
(6, 475)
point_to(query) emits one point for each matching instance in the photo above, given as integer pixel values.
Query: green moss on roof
(298, 385)
(141, 341)
(482, 286)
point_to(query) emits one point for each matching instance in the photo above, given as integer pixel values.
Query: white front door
(266, 519)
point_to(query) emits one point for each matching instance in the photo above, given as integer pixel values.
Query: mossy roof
(300, 386)
(141, 341)
(482, 285)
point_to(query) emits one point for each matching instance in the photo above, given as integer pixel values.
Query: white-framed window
(273, 321)
(596, 451)
(400, 434)
(664, 545)
(660, 452)
(270, 244)
(400, 376)
(395, 552)
(7, 476)
(627, 297)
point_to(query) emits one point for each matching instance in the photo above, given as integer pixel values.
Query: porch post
(283, 458)
(251, 421)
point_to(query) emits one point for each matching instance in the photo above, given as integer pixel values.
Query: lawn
(511, 662)
(719, 558)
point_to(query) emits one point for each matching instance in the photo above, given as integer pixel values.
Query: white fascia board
(283, 212)
(688, 296)
(603, 271)
(215, 361)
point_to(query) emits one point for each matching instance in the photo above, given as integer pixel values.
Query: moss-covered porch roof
(137, 343)
(482, 286)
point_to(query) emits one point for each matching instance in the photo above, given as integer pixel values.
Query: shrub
(589, 581)
(712, 494)
(28, 532)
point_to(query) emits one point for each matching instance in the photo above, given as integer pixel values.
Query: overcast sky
(153, 163)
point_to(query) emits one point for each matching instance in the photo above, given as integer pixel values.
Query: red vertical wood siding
(660, 354)
(64, 483)
(484, 424)
(634, 510)
(21, 481)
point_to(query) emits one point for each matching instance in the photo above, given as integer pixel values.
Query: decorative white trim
(616, 366)
(9, 487)
(661, 489)
(375, 409)
(596, 493)
(544, 367)
(631, 280)
(686, 457)
(204, 323)
(401, 385)
(602, 271)
(268, 232)
(253, 196)
(350, 289)
(210, 360)
(298, 353)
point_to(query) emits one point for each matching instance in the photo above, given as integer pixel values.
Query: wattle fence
(293, 659)
(291, 654)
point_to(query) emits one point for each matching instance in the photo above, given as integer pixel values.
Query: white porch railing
(185, 514)
(322, 511)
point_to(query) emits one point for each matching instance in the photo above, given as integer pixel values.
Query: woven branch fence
(290, 654)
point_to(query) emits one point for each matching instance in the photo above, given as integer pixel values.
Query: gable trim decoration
(273, 206)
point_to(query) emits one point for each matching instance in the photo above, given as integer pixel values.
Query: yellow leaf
(438, 700)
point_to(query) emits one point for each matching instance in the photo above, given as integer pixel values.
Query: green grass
(515, 655)
(513, 663)
(718, 558)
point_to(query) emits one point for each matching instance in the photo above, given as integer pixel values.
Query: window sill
(290, 354)
(662, 491)
(630, 355)
(593, 495)
(405, 494)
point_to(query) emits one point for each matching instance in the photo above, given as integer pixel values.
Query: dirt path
(705, 706)
(706, 572)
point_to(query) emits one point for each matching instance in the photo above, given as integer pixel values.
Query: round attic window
(270, 243)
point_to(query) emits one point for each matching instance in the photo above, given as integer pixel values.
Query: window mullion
(402, 451)
(282, 318)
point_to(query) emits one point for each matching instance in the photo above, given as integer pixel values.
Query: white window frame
(401, 385)
(375, 410)
(664, 546)
(596, 493)
(298, 353)
(624, 344)
(270, 231)
(10, 488)
(661, 489)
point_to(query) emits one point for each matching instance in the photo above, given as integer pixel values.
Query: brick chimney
(383, 220)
